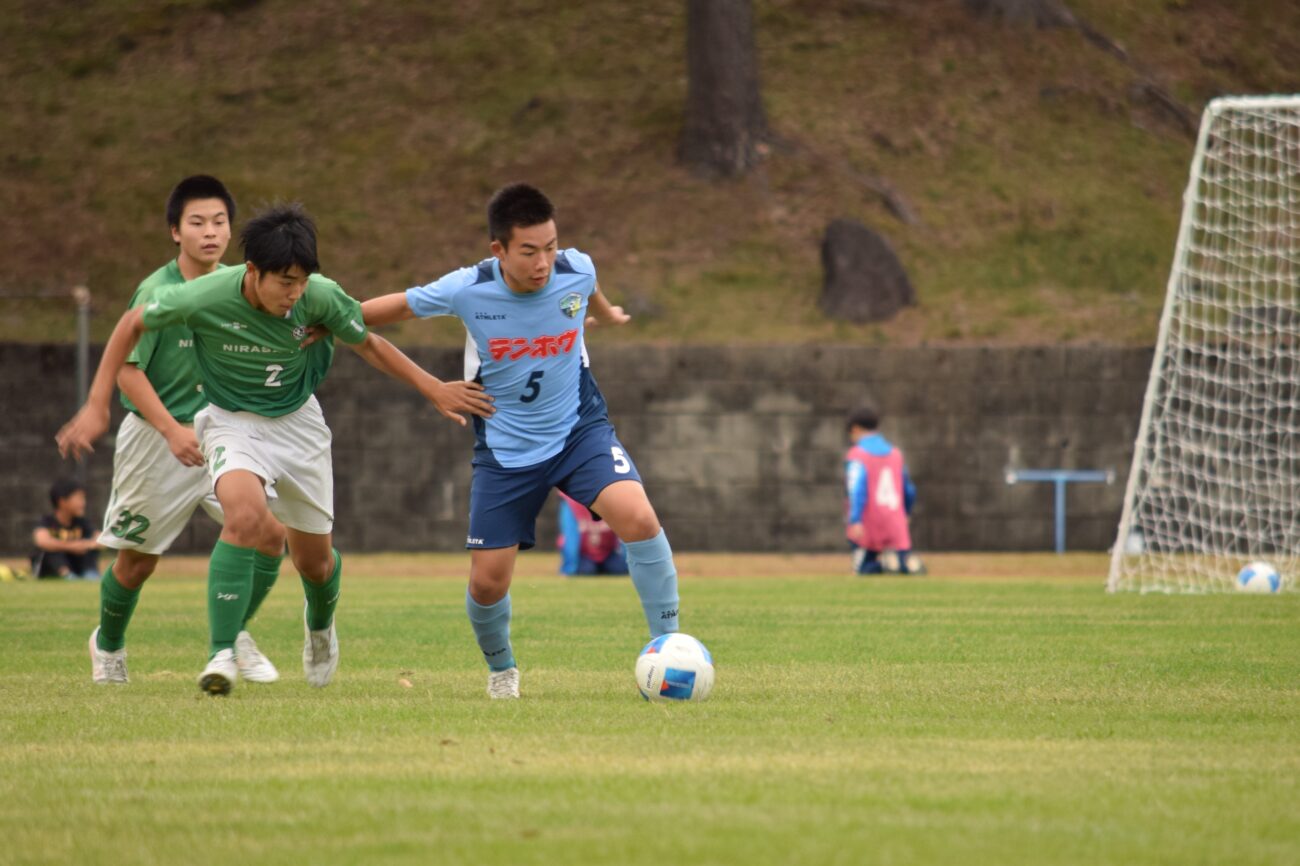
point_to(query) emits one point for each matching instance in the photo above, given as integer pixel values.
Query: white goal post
(1215, 480)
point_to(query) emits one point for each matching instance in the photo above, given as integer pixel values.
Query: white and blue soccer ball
(1259, 577)
(674, 667)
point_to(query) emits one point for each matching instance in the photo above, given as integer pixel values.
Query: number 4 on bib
(887, 491)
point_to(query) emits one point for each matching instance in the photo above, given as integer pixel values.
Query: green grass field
(1004, 710)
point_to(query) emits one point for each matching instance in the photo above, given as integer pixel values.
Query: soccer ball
(674, 667)
(1258, 577)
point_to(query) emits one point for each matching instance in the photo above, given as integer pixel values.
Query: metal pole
(1060, 514)
(81, 297)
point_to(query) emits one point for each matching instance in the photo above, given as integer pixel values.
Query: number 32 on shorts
(621, 464)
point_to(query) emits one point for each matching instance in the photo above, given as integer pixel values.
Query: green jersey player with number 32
(263, 436)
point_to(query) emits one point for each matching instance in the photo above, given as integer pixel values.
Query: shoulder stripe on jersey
(485, 274)
(562, 265)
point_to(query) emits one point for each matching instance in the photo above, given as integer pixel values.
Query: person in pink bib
(880, 496)
(587, 545)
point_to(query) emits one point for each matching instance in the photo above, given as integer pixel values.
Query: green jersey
(250, 361)
(167, 356)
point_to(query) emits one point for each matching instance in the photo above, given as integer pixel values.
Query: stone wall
(740, 448)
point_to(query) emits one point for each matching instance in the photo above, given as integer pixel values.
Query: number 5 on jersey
(532, 387)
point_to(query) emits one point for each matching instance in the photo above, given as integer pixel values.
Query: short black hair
(279, 238)
(866, 417)
(197, 186)
(63, 488)
(517, 206)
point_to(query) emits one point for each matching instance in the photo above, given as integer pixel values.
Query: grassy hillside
(1048, 193)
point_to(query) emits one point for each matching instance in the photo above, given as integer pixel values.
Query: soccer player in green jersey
(158, 476)
(263, 437)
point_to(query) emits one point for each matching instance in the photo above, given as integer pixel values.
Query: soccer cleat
(320, 653)
(106, 666)
(503, 684)
(218, 678)
(253, 666)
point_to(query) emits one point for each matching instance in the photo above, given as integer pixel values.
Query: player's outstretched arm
(91, 421)
(386, 309)
(601, 312)
(449, 398)
(139, 390)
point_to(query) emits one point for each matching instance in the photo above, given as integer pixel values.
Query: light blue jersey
(527, 350)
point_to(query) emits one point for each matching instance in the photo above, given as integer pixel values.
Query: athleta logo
(227, 596)
(355, 326)
(668, 614)
(491, 317)
(514, 348)
(472, 540)
(235, 326)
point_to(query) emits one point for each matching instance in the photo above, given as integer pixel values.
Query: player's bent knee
(638, 525)
(316, 569)
(243, 527)
(274, 539)
(132, 569)
(486, 592)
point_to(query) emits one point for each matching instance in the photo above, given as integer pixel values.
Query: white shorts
(154, 494)
(291, 454)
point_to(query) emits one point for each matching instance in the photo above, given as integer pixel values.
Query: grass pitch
(1004, 710)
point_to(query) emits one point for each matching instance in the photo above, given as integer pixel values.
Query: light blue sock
(655, 579)
(492, 630)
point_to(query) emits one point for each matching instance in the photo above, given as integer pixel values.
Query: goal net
(1215, 480)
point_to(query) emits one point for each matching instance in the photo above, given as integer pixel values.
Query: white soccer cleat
(503, 684)
(253, 666)
(320, 654)
(218, 678)
(106, 666)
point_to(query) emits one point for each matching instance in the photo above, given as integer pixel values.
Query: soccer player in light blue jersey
(524, 310)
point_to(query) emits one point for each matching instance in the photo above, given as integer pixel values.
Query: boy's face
(74, 503)
(204, 230)
(275, 292)
(526, 263)
(856, 432)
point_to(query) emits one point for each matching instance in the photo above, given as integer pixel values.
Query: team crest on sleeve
(570, 304)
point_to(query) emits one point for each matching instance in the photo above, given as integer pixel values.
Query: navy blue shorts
(504, 503)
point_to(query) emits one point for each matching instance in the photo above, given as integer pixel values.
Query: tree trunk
(725, 123)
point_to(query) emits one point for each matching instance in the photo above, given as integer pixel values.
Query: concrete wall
(740, 447)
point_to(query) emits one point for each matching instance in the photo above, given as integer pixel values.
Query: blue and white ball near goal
(674, 667)
(1259, 577)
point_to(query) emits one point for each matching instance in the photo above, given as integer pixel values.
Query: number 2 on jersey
(275, 370)
(533, 387)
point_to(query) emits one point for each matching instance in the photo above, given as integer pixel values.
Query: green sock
(116, 604)
(322, 598)
(230, 587)
(266, 571)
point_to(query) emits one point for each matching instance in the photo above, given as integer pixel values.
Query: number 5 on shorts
(621, 464)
